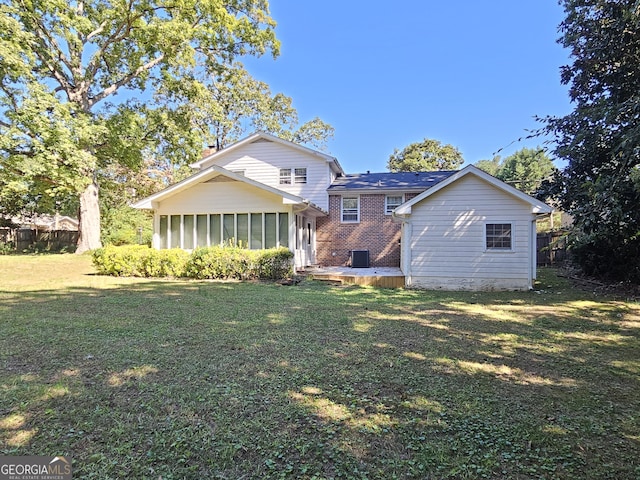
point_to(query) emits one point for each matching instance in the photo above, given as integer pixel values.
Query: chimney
(210, 150)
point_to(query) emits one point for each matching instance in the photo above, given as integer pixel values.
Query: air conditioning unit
(360, 258)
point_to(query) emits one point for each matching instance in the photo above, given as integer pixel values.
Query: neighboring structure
(456, 229)
(45, 222)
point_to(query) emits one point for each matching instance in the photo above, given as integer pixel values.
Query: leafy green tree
(222, 107)
(492, 167)
(599, 139)
(526, 169)
(60, 62)
(425, 156)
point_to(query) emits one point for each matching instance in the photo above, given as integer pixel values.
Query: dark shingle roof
(390, 181)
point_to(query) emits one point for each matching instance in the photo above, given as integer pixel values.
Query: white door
(305, 241)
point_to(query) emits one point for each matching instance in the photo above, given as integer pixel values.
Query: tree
(200, 109)
(525, 170)
(492, 167)
(425, 156)
(600, 138)
(222, 107)
(61, 61)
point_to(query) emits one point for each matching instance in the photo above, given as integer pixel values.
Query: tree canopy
(424, 156)
(525, 170)
(63, 62)
(600, 138)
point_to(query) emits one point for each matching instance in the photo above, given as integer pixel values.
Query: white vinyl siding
(263, 161)
(447, 245)
(350, 209)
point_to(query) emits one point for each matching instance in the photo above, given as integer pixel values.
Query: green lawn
(138, 378)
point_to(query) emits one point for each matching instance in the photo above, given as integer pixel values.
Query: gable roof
(332, 161)
(537, 205)
(389, 181)
(214, 171)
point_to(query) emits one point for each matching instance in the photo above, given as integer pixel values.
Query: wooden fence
(551, 248)
(25, 239)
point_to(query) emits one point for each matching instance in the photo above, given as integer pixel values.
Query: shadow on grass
(238, 380)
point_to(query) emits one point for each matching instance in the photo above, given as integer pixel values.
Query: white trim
(342, 220)
(536, 205)
(265, 136)
(150, 202)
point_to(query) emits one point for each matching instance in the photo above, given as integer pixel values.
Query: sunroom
(216, 207)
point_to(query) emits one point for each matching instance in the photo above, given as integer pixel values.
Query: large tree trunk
(89, 226)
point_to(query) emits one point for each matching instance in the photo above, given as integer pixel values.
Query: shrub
(613, 259)
(229, 262)
(139, 261)
(220, 262)
(275, 263)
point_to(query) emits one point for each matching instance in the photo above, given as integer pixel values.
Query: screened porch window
(251, 230)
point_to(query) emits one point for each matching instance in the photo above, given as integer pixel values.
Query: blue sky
(386, 74)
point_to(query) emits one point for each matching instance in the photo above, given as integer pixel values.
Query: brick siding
(375, 232)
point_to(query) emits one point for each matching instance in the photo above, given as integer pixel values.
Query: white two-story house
(260, 192)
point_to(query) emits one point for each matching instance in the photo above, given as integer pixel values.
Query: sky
(470, 73)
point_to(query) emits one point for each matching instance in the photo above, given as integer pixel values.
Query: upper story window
(296, 175)
(300, 175)
(392, 202)
(350, 209)
(285, 176)
(499, 236)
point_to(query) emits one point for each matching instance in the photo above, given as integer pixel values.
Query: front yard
(139, 378)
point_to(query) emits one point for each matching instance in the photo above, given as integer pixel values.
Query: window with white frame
(285, 176)
(289, 176)
(350, 209)
(392, 202)
(300, 175)
(499, 236)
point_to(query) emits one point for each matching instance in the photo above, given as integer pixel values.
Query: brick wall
(375, 232)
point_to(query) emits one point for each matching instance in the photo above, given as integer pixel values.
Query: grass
(138, 378)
